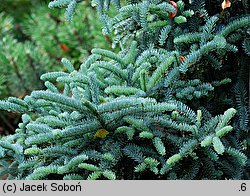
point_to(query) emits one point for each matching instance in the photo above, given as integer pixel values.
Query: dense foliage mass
(171, 104)
(36, 45)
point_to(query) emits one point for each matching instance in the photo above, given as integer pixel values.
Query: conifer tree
(148, 107)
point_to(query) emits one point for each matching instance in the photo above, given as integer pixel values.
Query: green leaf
(224, 131)
(109, 174)
(174, 159)
(159, 146)
(207, 141)
(218, 146)
(180, 19)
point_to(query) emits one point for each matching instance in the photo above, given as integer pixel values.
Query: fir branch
(235, 25)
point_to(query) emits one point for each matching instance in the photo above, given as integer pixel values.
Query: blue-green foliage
(122, 115)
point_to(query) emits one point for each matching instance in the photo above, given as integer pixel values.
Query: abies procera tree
(147, 112)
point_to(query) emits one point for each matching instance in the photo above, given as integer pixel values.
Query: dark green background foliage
(172, 103)
(19, 8)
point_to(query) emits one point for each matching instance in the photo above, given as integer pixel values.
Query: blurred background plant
(18, 8)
